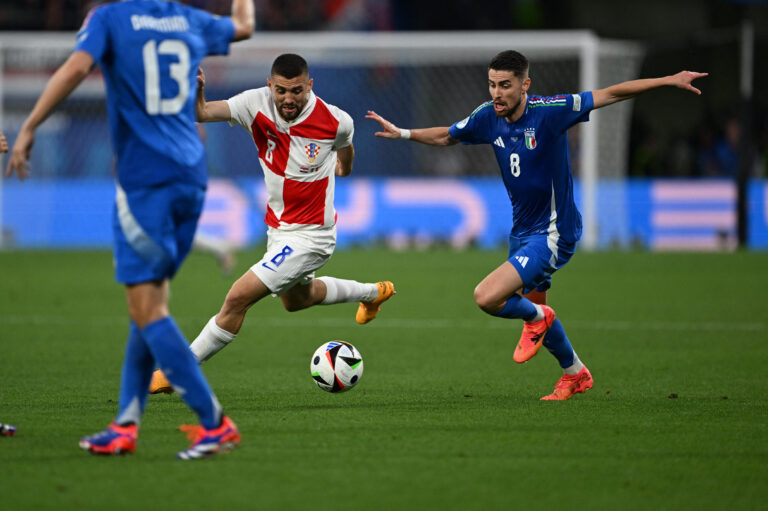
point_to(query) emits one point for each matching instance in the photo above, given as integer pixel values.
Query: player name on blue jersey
(149, 52)
(168, 24)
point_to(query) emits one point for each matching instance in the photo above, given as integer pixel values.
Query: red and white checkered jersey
(298, 157)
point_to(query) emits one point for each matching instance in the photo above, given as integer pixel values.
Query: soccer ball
(336, 366)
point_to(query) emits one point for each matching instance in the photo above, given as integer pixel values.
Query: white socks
(341, 291)
(211, 339)
(575, 367)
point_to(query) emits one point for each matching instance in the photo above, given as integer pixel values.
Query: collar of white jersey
(308, 108)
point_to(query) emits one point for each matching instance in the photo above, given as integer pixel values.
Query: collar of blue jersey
(282, 123)
(525, 110)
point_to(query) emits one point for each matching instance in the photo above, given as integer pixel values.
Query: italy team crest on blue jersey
(312, 151)
(530, 138)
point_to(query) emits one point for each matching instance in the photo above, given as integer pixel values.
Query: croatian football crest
(530, 138)
(312, 151)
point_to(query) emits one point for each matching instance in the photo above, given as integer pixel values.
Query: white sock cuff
(575, 367)
(331, 290)
(539, 314)
(211, 339)
(221, 334)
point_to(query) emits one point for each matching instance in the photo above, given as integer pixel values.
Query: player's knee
(485, 301)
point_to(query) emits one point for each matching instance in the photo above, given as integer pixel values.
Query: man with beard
(303, 144)
(529, 137)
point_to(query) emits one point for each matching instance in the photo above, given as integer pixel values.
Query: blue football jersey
(533, 158)
(149, 52)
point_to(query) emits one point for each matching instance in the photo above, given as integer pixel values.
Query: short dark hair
(510, 60)
(289, 65)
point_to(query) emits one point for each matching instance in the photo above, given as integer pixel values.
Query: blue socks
(137, 372)
(555, 341)
(172, 354)
(517, 307)
(558, 344)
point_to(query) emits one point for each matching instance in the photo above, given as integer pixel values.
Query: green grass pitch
(442, 419)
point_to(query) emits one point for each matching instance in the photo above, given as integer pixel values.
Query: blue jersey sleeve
(475, 129)
(217, 31)
(93, 37)
(576, 109)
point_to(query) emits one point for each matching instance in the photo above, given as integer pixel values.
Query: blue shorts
(153, 230)
(536, 258)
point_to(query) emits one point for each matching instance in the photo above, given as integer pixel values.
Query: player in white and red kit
(303, 144)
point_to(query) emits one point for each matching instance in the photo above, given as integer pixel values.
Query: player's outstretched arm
(71, 73)
(243, 18)
(630, 89)
(346, 155)
(209, 111)
(430, 136)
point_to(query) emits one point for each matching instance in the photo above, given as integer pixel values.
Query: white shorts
(293, 256)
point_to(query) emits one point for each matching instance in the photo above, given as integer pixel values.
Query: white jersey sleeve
(346, 128)
(244, 106)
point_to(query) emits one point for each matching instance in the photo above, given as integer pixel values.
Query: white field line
(416, 323)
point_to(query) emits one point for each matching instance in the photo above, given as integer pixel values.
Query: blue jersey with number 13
(533, 158)
(149, 52)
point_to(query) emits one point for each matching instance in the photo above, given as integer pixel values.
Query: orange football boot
(571, 384)
(112, 441)
(160, 384)
(207, 442)
(533, 336)
(368, 310)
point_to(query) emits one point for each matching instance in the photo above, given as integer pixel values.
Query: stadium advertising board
(653, 214)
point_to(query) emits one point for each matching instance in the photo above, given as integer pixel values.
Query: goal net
(413, 79)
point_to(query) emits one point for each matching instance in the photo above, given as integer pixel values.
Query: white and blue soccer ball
(336, 366)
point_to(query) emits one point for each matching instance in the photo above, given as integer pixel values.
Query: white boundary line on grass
(415, 323)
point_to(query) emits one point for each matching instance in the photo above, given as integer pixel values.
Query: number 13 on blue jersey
(178, 71)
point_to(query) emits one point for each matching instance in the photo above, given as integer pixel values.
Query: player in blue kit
(149, 52)
(529, 137)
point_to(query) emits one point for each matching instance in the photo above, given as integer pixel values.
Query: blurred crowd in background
(700, 141)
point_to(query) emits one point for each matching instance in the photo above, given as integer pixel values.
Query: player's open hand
(683, 80)
(22, 149)
(390, 130)
(3, 144)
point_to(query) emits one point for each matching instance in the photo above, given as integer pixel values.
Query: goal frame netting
(402, 49)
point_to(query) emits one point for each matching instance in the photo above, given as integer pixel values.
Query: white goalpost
(417, 78)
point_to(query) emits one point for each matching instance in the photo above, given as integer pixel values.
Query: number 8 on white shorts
(287, 263)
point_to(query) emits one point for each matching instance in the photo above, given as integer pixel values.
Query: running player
(529, 137)
(303, 143)
(149, 52)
